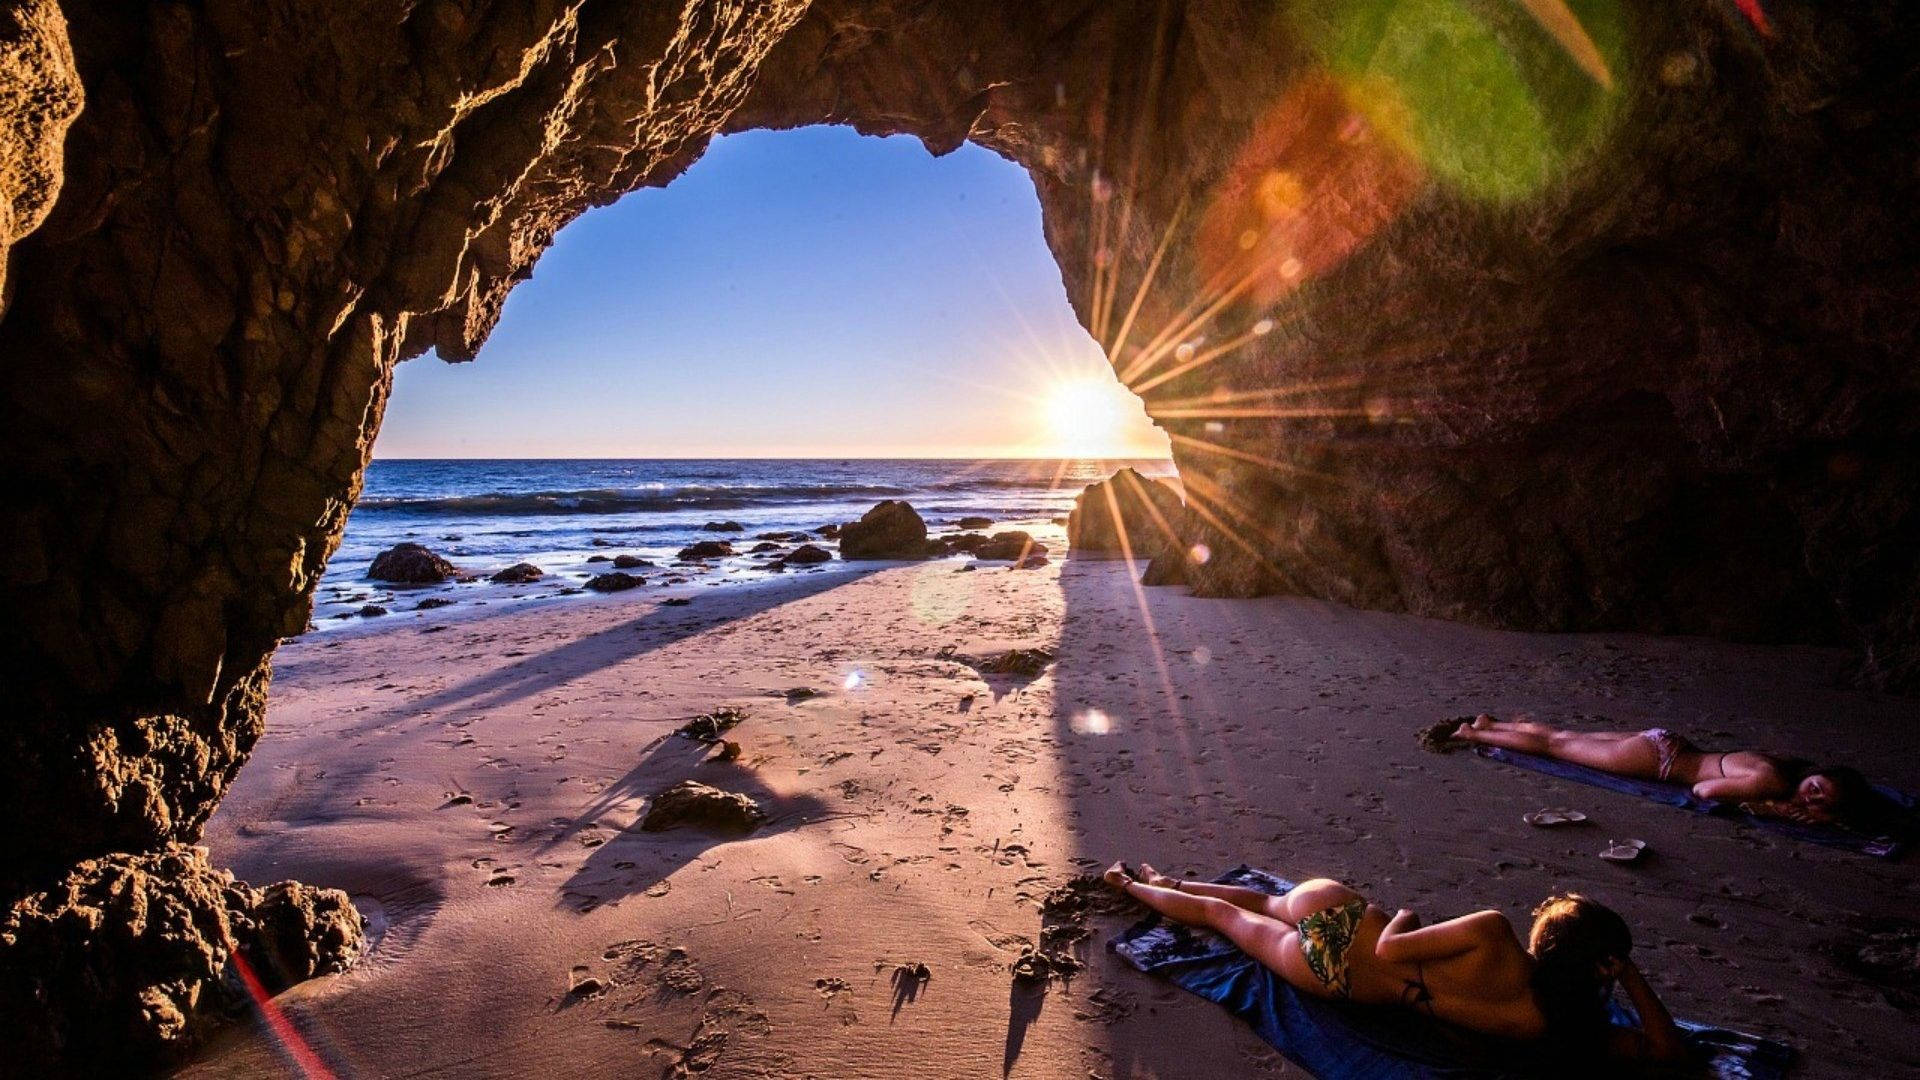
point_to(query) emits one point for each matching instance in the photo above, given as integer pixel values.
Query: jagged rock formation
(125, 959)
(1127, 514)
(1598, 329)
(39, 97)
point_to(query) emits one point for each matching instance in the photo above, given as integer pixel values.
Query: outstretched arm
(1405, 941)
(1658, 1038)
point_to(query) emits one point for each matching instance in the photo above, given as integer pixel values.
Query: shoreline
(920, 811)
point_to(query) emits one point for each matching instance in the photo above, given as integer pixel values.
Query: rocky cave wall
(1647, 367)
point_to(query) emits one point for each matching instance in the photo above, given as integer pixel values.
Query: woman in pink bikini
(1773, 785)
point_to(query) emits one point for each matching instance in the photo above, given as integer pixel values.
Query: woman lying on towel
(1771, 785)
(1325, 939)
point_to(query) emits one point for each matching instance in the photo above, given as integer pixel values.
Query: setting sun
(1092, 418)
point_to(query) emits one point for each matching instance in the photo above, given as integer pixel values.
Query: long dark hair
(1856, 805)
(1572, 937)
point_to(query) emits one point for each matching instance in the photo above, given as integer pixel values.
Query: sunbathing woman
(1771, 785)
(1326, 940)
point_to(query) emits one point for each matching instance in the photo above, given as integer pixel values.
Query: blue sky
(801, 293)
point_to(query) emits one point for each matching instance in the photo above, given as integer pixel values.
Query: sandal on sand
(1624, 851)
(1438, 738)
(1552, 816)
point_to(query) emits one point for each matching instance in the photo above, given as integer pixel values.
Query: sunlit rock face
(1546, 315)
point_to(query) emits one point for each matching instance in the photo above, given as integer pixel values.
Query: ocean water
(484, 515)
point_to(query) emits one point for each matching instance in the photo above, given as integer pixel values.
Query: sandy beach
(472, 779)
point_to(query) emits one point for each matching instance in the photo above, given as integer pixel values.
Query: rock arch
(1667, 388)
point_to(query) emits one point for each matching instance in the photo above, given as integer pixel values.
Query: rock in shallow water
(411, 564)
(707, 549)
(692, 803)
(615, 581)
(1009, 545)
(518, 574)
(891, 530)
(169, 922)
(809, 553)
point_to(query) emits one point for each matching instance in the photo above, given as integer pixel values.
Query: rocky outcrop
(630, 562)
(706, 549)
(519, 574)
(1625, 345)
(1126, 514)
(126, 960)
(891, 530)
(411, 564)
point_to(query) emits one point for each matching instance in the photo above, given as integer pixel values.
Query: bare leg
(1622, 752)
(1273, 907)
(1256, 935)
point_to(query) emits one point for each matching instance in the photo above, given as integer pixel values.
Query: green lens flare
(1494, 97)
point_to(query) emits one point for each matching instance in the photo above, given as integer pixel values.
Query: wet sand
(472, 779)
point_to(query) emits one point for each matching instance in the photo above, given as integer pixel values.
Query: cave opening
(803, 323)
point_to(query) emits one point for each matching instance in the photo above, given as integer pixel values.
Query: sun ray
(1559, 21)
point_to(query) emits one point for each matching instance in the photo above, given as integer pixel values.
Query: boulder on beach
(692, 803)
(763, 547)
(432, 602)
(1126, 512)
(724, 526)
(974, 522)
(615, 581)
(597, 558)
(518, 574)
(706, 549)
(372, 611)
(967, 541)
(794, 537)
(411, 564)
(806, 554)
(891, 530)
(1010, 545)
(828, 532)
(630, 562)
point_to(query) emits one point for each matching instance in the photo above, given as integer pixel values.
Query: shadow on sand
(658, 627)
(632, 861)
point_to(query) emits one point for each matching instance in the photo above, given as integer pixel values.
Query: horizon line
(777, 457)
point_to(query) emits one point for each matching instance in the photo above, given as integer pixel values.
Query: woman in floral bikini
(1327, 940)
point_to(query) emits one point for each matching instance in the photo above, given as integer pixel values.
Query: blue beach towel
(1338, 1041)
(1888, 846)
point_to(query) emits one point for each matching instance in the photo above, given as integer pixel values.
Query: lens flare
(1091, 722)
